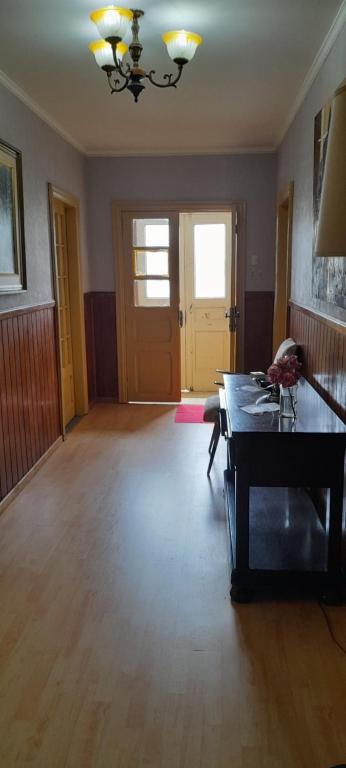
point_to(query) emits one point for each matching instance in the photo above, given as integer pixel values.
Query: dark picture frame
(12, 243)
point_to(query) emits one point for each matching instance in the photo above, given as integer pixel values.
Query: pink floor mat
(189, 414)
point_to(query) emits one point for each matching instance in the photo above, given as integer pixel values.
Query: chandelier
(113, 24)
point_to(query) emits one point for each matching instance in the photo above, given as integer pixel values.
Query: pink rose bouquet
(286, 371)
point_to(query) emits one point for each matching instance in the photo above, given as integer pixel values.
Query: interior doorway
(152, 298)
(68, 294)
(151, 288)
(284, 217)
(207, 291)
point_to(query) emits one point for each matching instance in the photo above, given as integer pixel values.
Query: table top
(313, 415)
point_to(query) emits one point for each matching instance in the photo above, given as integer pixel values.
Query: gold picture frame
(12, 250)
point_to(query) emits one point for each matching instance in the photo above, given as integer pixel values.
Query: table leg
(240, 591)
(335, 526)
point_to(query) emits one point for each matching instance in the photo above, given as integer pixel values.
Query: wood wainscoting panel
(101, 341)
(259, 307)
(29, 395)
(323, 352)
(101, 345)
(90, 346)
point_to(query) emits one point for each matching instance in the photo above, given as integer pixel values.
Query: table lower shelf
(287, 544)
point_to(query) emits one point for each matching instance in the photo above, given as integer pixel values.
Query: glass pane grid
(151, 293)
(153, 263)
(151, 232)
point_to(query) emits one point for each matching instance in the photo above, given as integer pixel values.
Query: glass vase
(288, 402)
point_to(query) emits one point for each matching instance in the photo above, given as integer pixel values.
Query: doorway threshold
(150, 402)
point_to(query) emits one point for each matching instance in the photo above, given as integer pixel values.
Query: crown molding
(29, 102)
(317, 63)
(182, 153)
(11, 86)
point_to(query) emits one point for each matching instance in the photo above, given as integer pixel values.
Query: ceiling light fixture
(113, 23)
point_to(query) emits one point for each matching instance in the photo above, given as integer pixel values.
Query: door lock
(233, 314)
(180, 317)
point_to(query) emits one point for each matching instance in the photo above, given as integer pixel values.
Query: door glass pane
(209, 261)
(151, 293)
(152, 232)
(151, 263)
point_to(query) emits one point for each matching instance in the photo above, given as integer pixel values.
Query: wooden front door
(64, 312)
(151, 286)
(209, 281)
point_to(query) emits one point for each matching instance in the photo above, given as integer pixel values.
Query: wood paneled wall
(90, 345)
(101, 341)
(323, 349)
(29, 399)
(101, 345)
(258, 336)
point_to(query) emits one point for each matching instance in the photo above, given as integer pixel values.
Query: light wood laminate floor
(119, 647)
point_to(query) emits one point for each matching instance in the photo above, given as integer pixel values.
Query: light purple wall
(46, 158)
(295, 162)
(249, 178)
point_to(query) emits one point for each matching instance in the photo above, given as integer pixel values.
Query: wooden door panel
(152, 330)
(153, 372)
(209, 344)
(211, 351)
(154, 327)
(64, 312)
(211, 317)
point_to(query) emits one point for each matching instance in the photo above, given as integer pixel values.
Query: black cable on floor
(330, 628)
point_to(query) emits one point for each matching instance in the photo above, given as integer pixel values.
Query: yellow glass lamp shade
(121, 50)
(112, 22)
(181, 45)
(103, 53)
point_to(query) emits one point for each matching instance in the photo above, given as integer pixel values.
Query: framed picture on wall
(12, 251)
(329, 195)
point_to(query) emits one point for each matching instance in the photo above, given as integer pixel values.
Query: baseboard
(4, 503)
(106, 400)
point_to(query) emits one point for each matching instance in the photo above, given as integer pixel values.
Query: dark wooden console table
(274, 468)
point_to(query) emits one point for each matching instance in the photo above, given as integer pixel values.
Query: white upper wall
(46, 157)
(248, 178)
(295, 162)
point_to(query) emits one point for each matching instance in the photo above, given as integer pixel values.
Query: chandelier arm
(170, 83)
(118, 65)
(125, 73)
(113, 86)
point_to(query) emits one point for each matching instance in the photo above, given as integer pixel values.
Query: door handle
(233, 314)
(180, 317)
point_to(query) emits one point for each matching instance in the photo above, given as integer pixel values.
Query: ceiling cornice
(184, 153)
(14, 88)
(317, 63)
(29, 102)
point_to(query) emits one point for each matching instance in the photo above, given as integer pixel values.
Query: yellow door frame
(238, 208)
(283, 259)
(71, 204)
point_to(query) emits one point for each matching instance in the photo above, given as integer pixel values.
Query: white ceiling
(236, 94)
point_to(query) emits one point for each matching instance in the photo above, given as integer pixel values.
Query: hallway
(119, 647)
